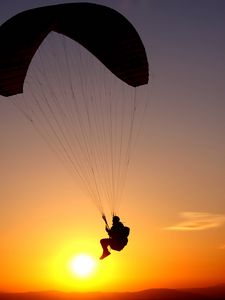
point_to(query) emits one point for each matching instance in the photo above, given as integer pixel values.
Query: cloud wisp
(198, 221)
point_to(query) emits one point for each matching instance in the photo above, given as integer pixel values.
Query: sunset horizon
(112, 108)
(202, 293)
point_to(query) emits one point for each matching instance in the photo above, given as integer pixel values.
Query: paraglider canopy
(75, 68)
(101, 30)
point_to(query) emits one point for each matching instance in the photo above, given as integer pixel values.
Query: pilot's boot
(105, 254)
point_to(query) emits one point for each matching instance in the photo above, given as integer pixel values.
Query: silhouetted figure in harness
(118, 234)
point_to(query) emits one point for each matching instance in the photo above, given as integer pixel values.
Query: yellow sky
(51, 221)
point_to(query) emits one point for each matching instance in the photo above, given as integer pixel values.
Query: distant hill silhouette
(208, 293)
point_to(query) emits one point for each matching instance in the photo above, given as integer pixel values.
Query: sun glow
(82, 265)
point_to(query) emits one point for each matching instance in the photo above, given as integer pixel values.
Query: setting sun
(82, 265)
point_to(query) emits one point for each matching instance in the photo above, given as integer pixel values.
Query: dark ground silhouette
(208, 293)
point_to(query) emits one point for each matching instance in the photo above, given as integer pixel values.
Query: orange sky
(174, 196)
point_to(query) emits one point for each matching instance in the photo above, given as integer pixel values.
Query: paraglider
(118, 237)
(75, 71)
